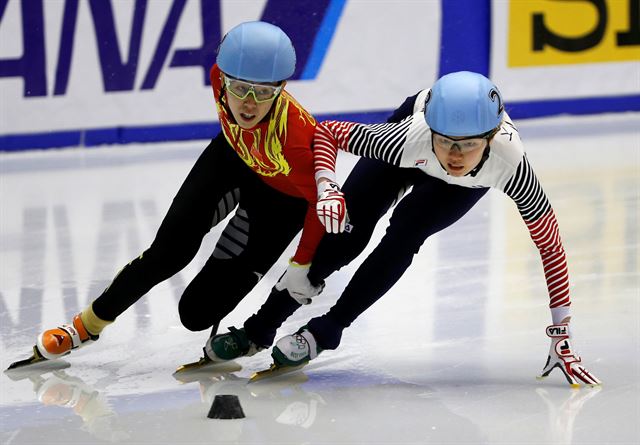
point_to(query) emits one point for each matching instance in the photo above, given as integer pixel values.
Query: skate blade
(275, 371)
(36, 363)
(35, 358)
(34, 369)
(190, 372)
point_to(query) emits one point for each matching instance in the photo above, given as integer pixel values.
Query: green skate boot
(230, 346)
(296, 349)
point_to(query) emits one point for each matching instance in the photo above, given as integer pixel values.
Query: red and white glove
(561, 356)
(295, 281)
(331, 208)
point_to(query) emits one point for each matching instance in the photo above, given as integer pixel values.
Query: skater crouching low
(451, 144)
(260, 165)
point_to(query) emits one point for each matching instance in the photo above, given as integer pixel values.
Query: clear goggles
(466, 145)
(261, 92)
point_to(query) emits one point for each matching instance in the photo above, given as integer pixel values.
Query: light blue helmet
(464, 104)
(257, 51)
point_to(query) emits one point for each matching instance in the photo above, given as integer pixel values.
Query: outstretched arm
(525, 190)
(384, 142)
(535, 210)
(386, 139)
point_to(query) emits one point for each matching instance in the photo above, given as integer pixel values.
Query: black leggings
(370, 191)
(251, 242)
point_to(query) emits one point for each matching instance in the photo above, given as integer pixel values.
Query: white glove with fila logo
(331, 207)
(561, 356)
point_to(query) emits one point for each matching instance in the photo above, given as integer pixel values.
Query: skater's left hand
(331, 207)
(561, 356)
(295, 281)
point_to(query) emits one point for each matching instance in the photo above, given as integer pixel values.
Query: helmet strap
(485, 156)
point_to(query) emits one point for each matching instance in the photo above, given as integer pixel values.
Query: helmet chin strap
(485, 155)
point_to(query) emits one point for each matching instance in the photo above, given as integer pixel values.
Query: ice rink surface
(449, 355)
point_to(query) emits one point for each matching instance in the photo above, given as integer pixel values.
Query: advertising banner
(568, 54)
(91, 72)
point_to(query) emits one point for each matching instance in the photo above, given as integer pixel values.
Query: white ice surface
(449, 355)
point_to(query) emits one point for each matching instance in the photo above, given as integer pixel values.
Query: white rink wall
(87, 72)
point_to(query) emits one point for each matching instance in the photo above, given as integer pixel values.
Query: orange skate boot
(54, 343)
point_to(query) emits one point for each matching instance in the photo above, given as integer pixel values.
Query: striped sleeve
(523, 187)
(384, 142)
(328, 138)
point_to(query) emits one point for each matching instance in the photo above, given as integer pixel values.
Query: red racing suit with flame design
(279, 150)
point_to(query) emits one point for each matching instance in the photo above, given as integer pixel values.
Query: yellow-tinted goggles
(241, 89)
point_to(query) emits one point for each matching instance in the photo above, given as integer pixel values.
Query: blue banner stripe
(465, 36)
(54, 139)
(155, 133)
(587, 105)
(207, 130)
(323, 38)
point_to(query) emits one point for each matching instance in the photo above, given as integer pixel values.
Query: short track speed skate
(275, 370)
(291, 353)
(205, 367)
(35, 358)
(57, 342)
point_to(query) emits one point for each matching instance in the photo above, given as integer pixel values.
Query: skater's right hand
(561, 356)
(295, 281)
(331, 208)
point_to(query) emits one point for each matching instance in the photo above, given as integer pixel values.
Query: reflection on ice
(303, 405)
(58, 388)
(563, 410)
